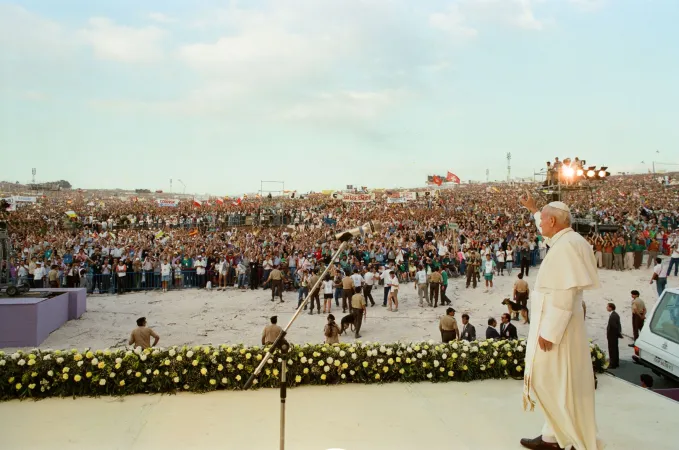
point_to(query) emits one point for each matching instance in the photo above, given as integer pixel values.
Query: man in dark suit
(467, 331)
(491, 332)
(507, 329)
(613, 333)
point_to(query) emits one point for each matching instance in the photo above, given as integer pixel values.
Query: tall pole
(487, 175)
(509, 167)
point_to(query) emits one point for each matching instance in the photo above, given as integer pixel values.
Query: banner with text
(357, 198)
(167, 202)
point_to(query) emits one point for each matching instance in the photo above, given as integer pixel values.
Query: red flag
(437, 180)
(197, 202)
(193, 232)
(237, 202)
(219, 201)
(451, 177)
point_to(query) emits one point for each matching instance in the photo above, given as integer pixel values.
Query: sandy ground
(462, 416)
(193, 317)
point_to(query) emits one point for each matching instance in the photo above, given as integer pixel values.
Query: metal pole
(284, 394)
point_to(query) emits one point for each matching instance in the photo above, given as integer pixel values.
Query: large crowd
(109, 244)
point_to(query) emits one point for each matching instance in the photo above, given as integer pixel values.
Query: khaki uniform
(276, 278)
(358, 306)
(347, 292)
(638, 316)
(435, 281)
(314, 295)
(270, 334)
(521, 292)
(448, 328)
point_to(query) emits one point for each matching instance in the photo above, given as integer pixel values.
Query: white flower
(463, 355)
(429, 375)
(326, 368)
(47, 357)
(436, 363)
(137, 350)
(172, 352)
(383, 349)
(351, 372)
(143, 357)
(354, 356)
(495, 354)
(143, 380)
(50, 373)
(455, 345)
(444, 356)
(303, 360)
(102, 382)
(424, 353)
(60, 360)
(15, 355)
(189, 354)
(342, 353)
(465, 349)
(119, 360)
(2, 362)
(80, 364)
(155, 352)
(176, 379)
(343, 376)
(329, 360)
(482, 367)
(475, 349)
(21, 362)
(112, 375)
(95, 361)
(519, 348)
(419, 356)
(129, 371)
(516, 362)
(148, 371)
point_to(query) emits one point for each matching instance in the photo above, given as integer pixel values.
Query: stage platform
(27, 320)
(482, 415)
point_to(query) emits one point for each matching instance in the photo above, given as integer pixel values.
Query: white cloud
(161, 18)
(121, 43)
(22, 33)
(513, 13)
(453, 22)
(345, 106)
(589, 5)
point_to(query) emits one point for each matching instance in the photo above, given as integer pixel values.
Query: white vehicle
(658, 344)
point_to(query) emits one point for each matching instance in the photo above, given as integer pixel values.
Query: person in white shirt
(384, 276)
(659, 275)
(393, 292)
(221, 268)
(165, 273)
(368, 281)
(500, 255)
(328, 289)
(357, 279)
(38, 275)
(421, 286)
(199, 265)
(674, 260)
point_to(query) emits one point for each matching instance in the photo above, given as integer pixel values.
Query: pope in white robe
(558, 369)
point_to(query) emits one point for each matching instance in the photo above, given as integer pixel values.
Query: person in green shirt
(629, 254)
(617, 255)
(444, 286)
(639, 249)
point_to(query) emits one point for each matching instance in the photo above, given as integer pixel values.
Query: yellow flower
(242, 351)
(76, 357)
(259, 357)
(248, 356)
(365, 364)
(117, 366)
(509, 353)
(88, 375)
(65, 376)
(179, 357)
(203, 371)
(240, 366)
(18, 386)
(138, 374)
(89, 355)
(275, 372)
(385, 369)
(345, 365)
(377, 376)
(229, 359)
(464, 367)
(167, 362)
(31, 386)
(336, 363)
(390, 361)
(101, 365)
(407, 360)
(518, 368)
(31, 356)
(320, 363)
(11, 379)
(206, 350)
(306, 370)
(107, 352)
(451, 373)
(298, 379)
(323, 377)
(599, 355)
(77, 378)
(213, 382)
(398, 359)
(401, 371)
(194, 363)
(122, 383)
(156, 372)
(220, 367)
(238, 377)
(65, 370)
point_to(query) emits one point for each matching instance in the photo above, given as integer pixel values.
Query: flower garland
(40, 374)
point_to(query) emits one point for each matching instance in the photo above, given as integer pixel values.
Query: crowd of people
(479, 231)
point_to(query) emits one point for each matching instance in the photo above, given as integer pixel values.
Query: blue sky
(319, 94)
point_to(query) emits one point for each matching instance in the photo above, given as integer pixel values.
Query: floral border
(46, 373)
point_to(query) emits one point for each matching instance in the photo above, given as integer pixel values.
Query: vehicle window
(665, 321)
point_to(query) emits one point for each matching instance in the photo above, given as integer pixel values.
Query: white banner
(22, 199)
(167, 202)
(357, 198)
(409, 196)
(396, 200)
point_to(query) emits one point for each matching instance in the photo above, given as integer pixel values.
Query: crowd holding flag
(439, 179)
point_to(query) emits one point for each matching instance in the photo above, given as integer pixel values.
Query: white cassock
(562, 380)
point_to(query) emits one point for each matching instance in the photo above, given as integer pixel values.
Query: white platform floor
(472, 416)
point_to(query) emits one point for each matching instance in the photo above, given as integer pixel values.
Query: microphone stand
(282, 345)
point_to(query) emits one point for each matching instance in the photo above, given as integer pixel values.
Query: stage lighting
(591, 173)
(602, 174)
(580, 172)
(568, 171)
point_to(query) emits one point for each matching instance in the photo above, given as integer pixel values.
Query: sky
(319, 94)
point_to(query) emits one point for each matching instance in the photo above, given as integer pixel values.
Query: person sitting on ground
(331, 331)
(141, 336)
